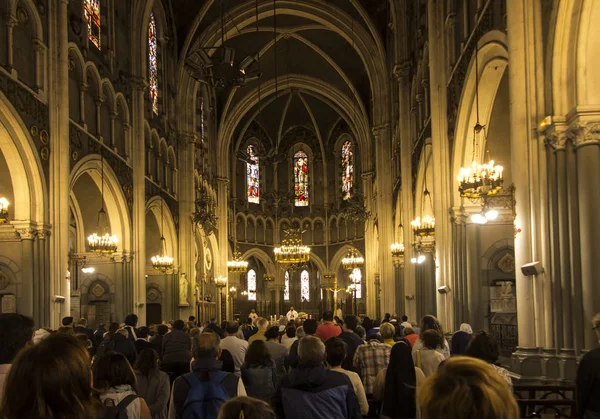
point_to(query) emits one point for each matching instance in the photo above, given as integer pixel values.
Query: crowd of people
(290, 368)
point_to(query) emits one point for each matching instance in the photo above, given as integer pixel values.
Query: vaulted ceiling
(324, 43)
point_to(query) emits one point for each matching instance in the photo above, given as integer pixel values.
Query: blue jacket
(314, 392)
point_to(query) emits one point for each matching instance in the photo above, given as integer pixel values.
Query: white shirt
(292, 315)
(405, 324)
(238, 348)
(253, 316)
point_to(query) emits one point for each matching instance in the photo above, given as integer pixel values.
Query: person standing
(292, 314)
(301, 393)
(262, 325)
(369, 359)
(206, 375)
(328, 329)
(351, 339)
(277, 350)
(237, 347)
(309, 329)
(253, 315)
(16, 332)
(176, 350)
(335, 348)
(152, 383)
(83, 329)
(588, 379)
(259, 372)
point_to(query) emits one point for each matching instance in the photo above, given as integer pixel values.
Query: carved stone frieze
(585, 133)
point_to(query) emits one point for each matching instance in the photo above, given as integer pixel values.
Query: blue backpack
(205, 398)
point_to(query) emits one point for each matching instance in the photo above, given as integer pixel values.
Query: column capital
(188, 137)
(367, 175)
(43, 234)
(585, 133)
(378, 128)
(556, 136)
(402, 71)
(27, 233)
(222, 180)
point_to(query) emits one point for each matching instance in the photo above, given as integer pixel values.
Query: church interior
(175, 158)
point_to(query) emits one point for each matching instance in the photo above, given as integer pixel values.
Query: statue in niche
(506, 288)
(183, 289)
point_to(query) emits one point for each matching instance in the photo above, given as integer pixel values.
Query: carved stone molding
(585, 134)
(26, 233)
(556, 136)
(402, 71)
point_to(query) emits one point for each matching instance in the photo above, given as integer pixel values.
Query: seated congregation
(295, 370)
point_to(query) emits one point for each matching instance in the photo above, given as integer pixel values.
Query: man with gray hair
(200, 393)
(263, 325)
(588, 379)
(308, 385)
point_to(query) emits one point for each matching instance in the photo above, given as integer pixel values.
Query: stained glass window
(91, 11)
(347, 170)
(304, 286)
(251, 285)
(301, 179)
(357, 277)
(153, 63)
(252, 175)
(286, 289)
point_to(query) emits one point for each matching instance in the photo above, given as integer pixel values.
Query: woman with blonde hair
(465, 388)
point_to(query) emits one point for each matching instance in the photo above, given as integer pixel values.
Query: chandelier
(162, 262)
(397, 250)
(480, 179)
(204, 213)
(292, 253)
(423, 227)
(237, 265)
(355, 210)
(102, 242)
(221, 282)
(3, 210)
(353, 261)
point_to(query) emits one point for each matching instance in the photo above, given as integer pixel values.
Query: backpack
(205, 398)
(119, 411)
(105, 347)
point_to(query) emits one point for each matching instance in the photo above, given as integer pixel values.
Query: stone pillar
(527, 107)
(587, 145)
(186, 197)
(402, 73)
(473, 282)
(385, 222)
(459, 255)
(139, 201)
(371, 252)
(220, 262)
(28, 266)
(441, 161)
(59, 159)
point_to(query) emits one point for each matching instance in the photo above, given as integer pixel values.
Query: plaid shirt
(369, 359)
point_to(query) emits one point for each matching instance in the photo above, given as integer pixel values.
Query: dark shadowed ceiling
(304, 46)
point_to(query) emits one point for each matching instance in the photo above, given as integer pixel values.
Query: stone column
(473, 282)
(59, 159)
(139, 200)
(371, 252)
(28, 266)
(587, 145)
(527, 107)
(385, 222)
(441, 161)
(186, 196)
(402, 73)
(222, 238)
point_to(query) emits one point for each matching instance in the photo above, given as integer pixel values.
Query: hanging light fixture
(162, 262)
(353, 260)
(237, 265)
(102, 241)
(397, 250)
(3, 210)
(424, 227)
(292, 254)
(480, 179)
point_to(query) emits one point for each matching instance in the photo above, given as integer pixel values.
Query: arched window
(305, 286)
(153, 63)
(301, 179)
(347, 170)
(252, 176)
(251, 285)
(91, 11)
(357, 279)
(286, 288)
